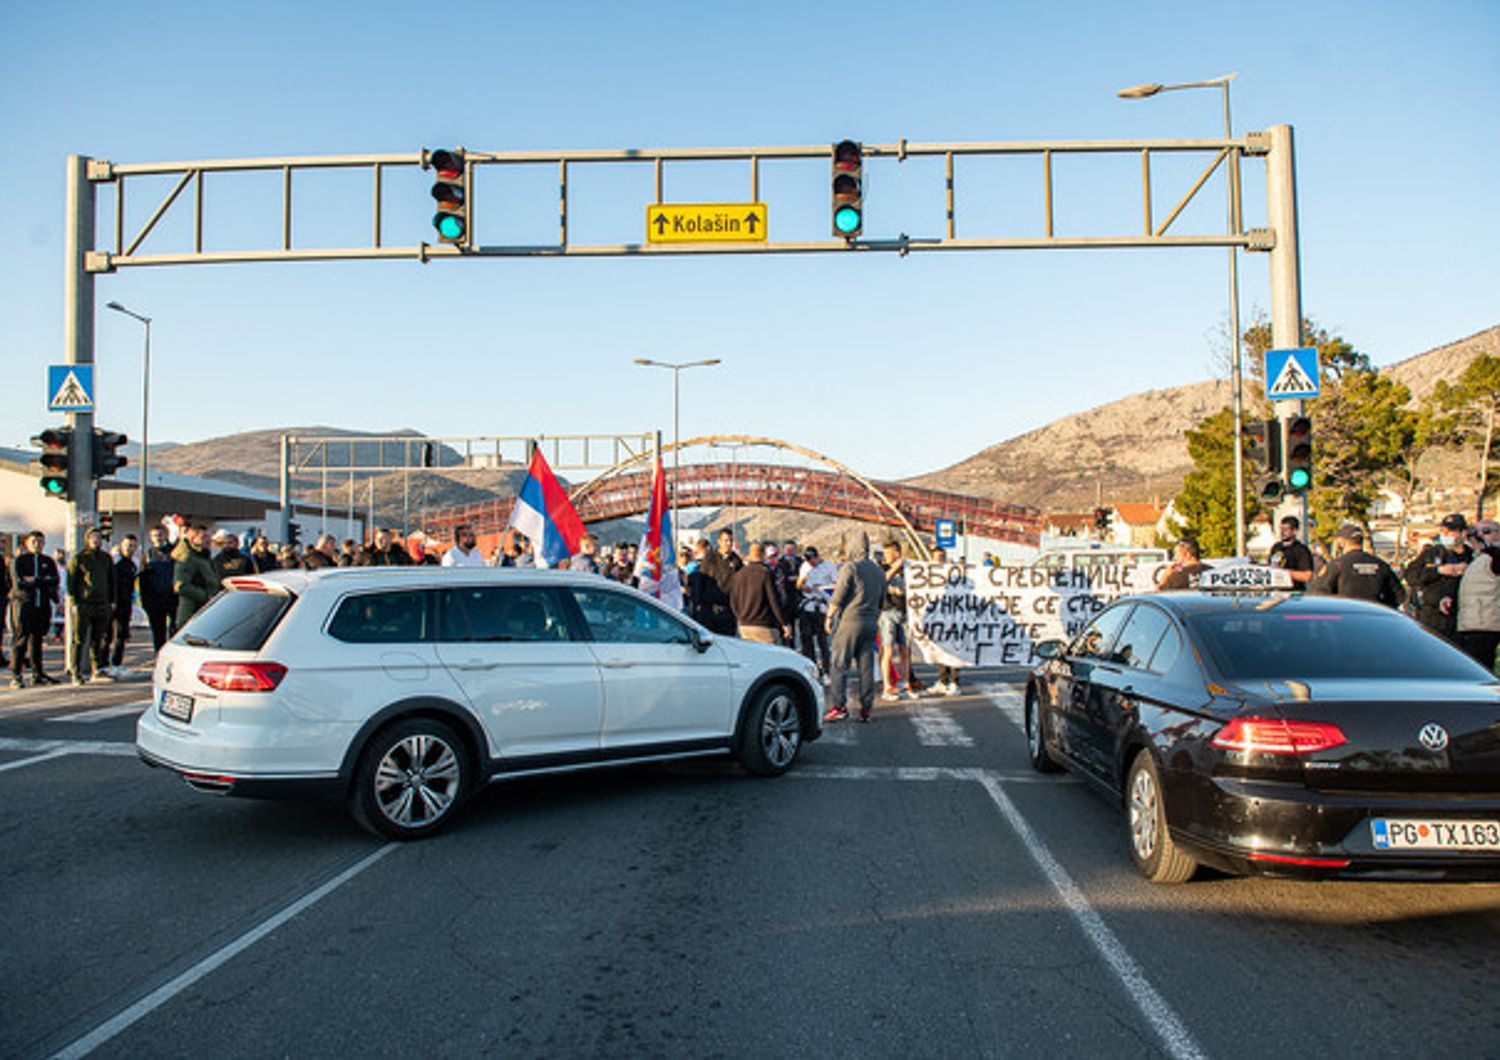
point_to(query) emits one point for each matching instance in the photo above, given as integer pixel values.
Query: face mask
(1447, 540)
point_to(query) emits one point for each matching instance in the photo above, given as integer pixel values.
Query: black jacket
(156, 580)
(125, 575)
(34, 579)
(1361, 576)
(752, 597)
(1429, 587)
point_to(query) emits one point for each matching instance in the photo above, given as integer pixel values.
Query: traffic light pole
(1286, 280)
(78, 348)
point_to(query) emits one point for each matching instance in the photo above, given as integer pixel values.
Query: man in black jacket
(1356, 573)
(157, 598)
(752, 597)
(125, 579)
(34, 590)
(382, 552)
(1434, 574)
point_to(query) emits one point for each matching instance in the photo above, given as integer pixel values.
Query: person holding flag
(656, 561)
(544, 514)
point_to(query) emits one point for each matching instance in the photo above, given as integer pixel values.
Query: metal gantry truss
(1152, 233)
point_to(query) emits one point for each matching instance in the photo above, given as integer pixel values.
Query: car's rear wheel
(1156, 856)
(411, 779)
(1036, 744)
(772, 736)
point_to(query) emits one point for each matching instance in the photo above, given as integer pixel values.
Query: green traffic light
(1299, 478)
(449, 226)
(54, 486)
(846, 219)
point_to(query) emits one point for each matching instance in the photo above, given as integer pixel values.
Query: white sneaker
(950, 690)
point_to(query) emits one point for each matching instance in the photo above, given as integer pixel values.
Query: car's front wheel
(1036, 742)
(1156, 856)
(773, 732)
(411, 779)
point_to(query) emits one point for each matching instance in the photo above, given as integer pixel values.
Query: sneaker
(950, 690)
(101, 677)
(835, 714)
(909, 694)
(78, 679)
(890, 695)
(16, 683)
(864, 715)
(45, 679)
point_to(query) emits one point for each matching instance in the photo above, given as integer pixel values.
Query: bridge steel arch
(587, 490)
(623, 489)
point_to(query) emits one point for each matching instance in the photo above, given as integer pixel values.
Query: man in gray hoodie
(853, 615)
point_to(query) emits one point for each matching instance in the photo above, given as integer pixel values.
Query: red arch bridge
(833, 490)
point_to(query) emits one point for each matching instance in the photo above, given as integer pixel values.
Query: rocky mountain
(1066, 465)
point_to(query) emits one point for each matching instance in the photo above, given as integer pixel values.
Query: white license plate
(1410, 834)
(174, 705)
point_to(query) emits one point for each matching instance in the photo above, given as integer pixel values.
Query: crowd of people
(848, 616)
(1451, 586)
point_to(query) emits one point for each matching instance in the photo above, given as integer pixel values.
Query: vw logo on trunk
(1433, 736)
(168, 674)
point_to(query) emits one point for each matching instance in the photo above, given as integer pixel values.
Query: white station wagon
(404, 690)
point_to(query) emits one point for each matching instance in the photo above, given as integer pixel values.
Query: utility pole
(1286, 277)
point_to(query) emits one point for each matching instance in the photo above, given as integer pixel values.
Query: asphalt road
(911, 890)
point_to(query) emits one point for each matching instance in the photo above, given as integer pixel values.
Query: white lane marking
(54, 753)
(167, 991)
(1175, 1036)
(937, 728)
(921, 773)
(1011, 702)
(111, 747)
(88, 717)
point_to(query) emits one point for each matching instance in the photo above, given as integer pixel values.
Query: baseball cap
(1454, 522)
(1350, 532)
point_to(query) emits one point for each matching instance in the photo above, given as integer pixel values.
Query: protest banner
(963, 614)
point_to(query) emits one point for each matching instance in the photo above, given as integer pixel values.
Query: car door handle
(477, 664)
(612, 664)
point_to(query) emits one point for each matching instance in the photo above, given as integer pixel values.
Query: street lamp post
(140, 497)
(676, 370)
(1237, 384)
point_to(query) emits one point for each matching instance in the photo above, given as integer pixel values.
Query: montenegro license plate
(176, 705)
(1434, 834)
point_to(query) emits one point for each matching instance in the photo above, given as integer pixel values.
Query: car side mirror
(700, 642)
(1049, 649)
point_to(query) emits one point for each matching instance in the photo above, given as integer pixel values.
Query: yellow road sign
(706, 222)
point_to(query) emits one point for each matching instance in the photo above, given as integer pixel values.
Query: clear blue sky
(896, 366)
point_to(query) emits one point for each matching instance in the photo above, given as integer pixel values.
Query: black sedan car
(1281, 734)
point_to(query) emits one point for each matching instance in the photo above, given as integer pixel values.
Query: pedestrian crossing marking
(937, 728)
(89, 717)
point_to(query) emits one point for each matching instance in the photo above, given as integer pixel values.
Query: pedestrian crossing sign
(70, 388)
(1292, 374)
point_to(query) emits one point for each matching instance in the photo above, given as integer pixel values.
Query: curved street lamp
(1145, 91)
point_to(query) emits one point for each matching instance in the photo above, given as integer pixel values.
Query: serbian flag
(656, 563)
(545, 515)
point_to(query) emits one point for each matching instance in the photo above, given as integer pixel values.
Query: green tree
(1471, 406)
(1206, 502)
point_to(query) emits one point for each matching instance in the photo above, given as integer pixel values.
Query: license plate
(1391, 834)
(174, 705)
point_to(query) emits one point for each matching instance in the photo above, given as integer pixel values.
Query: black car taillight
(1275, 736)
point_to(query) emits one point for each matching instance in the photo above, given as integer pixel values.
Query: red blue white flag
(545, 515)
(656, 563)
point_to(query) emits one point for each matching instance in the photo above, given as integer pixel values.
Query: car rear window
(1309, 644)
(235, 621)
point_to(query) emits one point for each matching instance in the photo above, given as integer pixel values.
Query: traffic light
(848, 189)
(106, 525)
(1102, 520)
(1262, 442)
(294, 534)
(55, 444)
(451, 192)
(1298, 446)
(107, 459)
